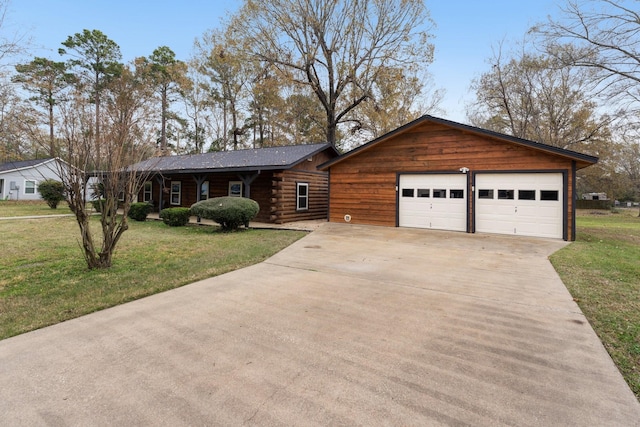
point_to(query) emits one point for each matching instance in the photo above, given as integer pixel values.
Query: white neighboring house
(19, 180)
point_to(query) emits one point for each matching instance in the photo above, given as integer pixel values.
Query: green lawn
(45, 280)
(601, 269)
(9, 208)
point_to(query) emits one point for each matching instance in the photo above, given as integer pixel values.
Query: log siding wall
(364, 186)
(275, 192)
(283, 196)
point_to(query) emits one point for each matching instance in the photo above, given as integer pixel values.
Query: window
(549, 195)
(204, 191)
(485, 194)
(176, 190)
(456, 194)
(505, 194)
(423, 192)
(121, 196)
(29, 187)
(302, 196)
(407, 192)
(526, 194)
(439, 194)
(235, 188)
(147, 191)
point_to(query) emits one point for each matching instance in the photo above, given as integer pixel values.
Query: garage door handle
(516, 209)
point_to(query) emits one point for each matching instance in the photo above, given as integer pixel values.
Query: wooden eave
(582, 160)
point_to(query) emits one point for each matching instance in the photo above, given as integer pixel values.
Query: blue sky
(465, 30)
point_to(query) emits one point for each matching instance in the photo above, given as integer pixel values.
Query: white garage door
(528, 204)
(433, 201)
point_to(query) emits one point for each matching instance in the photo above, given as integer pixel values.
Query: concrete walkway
(310, 225)
(351, 325)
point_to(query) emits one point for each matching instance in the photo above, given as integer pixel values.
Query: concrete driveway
(351, 325)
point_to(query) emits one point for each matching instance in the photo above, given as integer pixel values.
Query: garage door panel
(437, 209)
(527, 213)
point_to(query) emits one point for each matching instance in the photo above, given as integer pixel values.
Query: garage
(525, 204)
(436, 201)
(438, 174)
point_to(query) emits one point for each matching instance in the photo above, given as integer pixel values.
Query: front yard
(11, 208)
(45, 280)
(602, 272)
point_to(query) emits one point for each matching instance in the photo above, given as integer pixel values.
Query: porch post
(199, 179)
(247, 180)
(160, 181)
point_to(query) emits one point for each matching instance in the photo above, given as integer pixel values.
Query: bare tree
(126, 140)
(196, 106)
(604, 35)
(535, 97)
(399, 97)
(222, 60)
(338, 48)
(16, 120)
(629, 158)
(11, 42)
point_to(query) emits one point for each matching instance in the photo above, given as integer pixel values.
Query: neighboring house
(283, 180)
(435, 173)
(19, 180)
(594, 196)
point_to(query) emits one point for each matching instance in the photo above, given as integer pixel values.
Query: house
(594, 196)
(438, 174)
(19, 180)
(283, 180)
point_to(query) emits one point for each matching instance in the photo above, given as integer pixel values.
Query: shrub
(98, 204)
(139, 211)
(52, 192)
(175, 217)
(229, 212)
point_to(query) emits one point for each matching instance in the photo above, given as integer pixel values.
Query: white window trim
(204, 196)
(146, 193)
(299, 197)
(231, 184)
(35, 186)
(179, 193)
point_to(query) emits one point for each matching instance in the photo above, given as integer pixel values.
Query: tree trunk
(52, 145)
(163, 131)
(331, 132)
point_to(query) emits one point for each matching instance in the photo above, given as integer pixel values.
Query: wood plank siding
(364, 185)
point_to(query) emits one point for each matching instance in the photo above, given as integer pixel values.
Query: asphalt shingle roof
(9, 166)
(238, 160)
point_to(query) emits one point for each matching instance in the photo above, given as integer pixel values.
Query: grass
(45, 280)
(10, 208)
(601, 269)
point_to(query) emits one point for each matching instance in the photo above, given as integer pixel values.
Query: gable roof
(269, 158)
(22, 164)
(583, 160)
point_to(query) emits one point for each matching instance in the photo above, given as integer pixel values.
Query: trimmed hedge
(52, 192)
(229, 212)
(139, 211)
(175, 217)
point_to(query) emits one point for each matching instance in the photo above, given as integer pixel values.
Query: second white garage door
(529, 204)
(437, 201)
